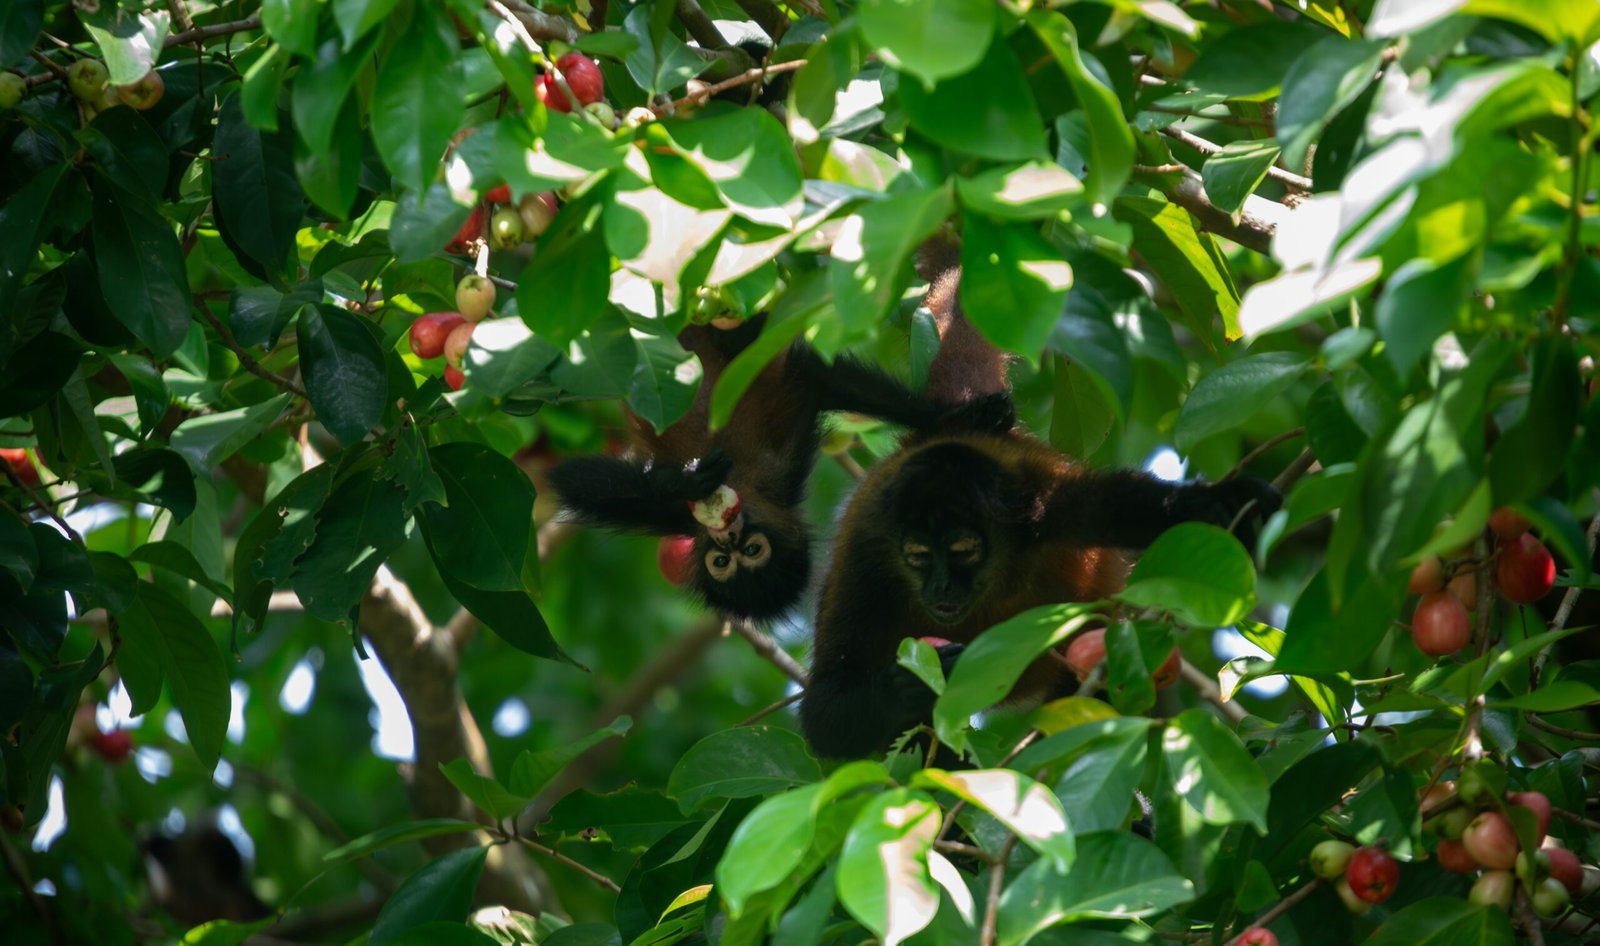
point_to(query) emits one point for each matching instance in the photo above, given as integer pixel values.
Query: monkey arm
(1129, 509)
(852, 385)
(653, 499)
(851, 712)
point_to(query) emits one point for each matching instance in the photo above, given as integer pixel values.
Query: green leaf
(1187, 261)
(1085, 409)
(743, 370)
(482, 790)
(1421, 302)
(986, 112)
(259, 202)
(1024, 806)
(137, 253)
(1324, 79)
(867, 268)
(207, 440)
(1444, 921)
(128, 151)
(1013, 283)
(1532, 451)
(444, 933)
(930, 39)
(1115, 875)
(532, 772)
(919, 657)
(1312, 785)
(665, 378)
(883, 875)
(161, 635)
(504, 355)
(179, 560)
(749, 158)
(1552, 698)
(293, 23)
(150, 394)
(343, 370)
(1094, 768)
(20, 23)
(441, 890)
(263, 81)
(37, 371)
(480, 535)
(767, 846)
(19, 556)
(1197, 571)
(390, 835)
(1233, 174)
(991, 664)
(633, 819)
(1214, 772)
(23, 220)
(1250, 62)
(1231, 395)
(565, 288)
(356, 17)
(535, 156)
(318, 96)
(1111, 153)
(1322, 639)
(741, 763)
(1035, 190)
(130, 41)
(331, 177)
(413, 102)
(512, 615)
(358, 528)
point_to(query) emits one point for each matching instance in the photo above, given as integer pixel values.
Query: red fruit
(1167, 674)
(1427, 576)
(1537, 803)
(1465, 588)
(1372, 874)
(1440, 793)
(932, 641)
(1453, 856)
(1491, 841)
(1257, 937)
(143, 93)
(453, 377)
(675, 557)
(583, 77)
(1440, 624)
(429, 331)
(537, 212)
(114, 746)
(21, 464)
(1564, 867)
(1086, 652)
(471, 232)
(1526, 571)
(1507, 523)
(455, 344)
(499, 195)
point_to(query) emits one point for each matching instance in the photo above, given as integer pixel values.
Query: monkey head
(755, 567)
(947, 515)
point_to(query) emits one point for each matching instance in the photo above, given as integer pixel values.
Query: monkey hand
(1222, 503)
(913, 694)
(694, 481)
(992, 413)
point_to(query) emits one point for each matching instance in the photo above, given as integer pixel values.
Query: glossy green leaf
(930, 39)
(1420, 302)
(130, 40)
(1024, 806)
(331, 177)
(259, 202)
(23, 220)
(159, 631)
(441, 890)
(1214, 772)
(883, 875)
(1013, 283)
(741, 763)
(1036, 190)
(20, 23)
(127, 151)
(343, 370)
(359, 526)
(1115, 875)
(293, 23)
(1531, 451)
(480, 534)
(418, 83)
(565, 288)
(1324, 79)
(487, 794)
(318, 97)
(986, 112)
(1234, 173)
(1111, 153)
(750, 160)
(1445, 921)
(1197, 571)
(179, 560)
(137, 252)
(532, 772)
(1231, 395)
(868, 262)
(36, 371)
(209, 439)
(1251, 61)
(357, 17)
(1187, 260)
(1321, 638)
(767, 846)
(533, 157)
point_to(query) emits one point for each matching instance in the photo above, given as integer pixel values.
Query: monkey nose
(730, 535)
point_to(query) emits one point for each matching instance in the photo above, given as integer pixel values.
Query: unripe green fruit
(1453, 823)
(1330, 858)
(1493, 889)
(1479, 783)
(505, 228)
(87, 80)
(1550, 898)
(604, 112)
(13, 88)
(1532, 868)
(537, 212)
(1352, 902)
(474, 297)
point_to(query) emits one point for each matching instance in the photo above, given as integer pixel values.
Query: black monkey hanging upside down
(960, 530)
(754, 564)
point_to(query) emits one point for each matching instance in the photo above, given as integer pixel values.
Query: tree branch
(248, 361)
(699, 25)
(1564, 610)
(1257, 223)
(540, 25)
(1286, 178)
(743, 78)
(1210, 692)
(561, 858)
(768, 649)
(203, 33)
(1283, 906)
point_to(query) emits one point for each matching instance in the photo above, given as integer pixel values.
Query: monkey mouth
(947, 613)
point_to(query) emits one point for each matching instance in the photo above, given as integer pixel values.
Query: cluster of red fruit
(1088, 650)
(1362, 876)
(1524, 573)
(1475, 832)
(507, 226)
(90, 83)
(448, 333)
(585, 80)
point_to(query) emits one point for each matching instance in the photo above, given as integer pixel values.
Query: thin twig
(1577, 734)
(1576, 818)
(201, 33)
(248, 361)
(536, 23)
(743, 78)
(1283, 906)
(850, 465)
(39, 501)
(1530, 922)
(180, 15)
(997, 877)
(1256, 454)
(763, 713)
(1174, 168)
(1210, 692)
(768, 649)
(1564, 610)
(55, 70)
(965, 850)
(561, 858)
(1288, 178)
(1219, 119)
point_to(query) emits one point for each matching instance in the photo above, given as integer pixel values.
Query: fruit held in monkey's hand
(1507, 523)
(536, 211)
(583, 77)
(1372, 874)
(114, 746)
(933, 641)
(1491, 841)
(1526, 572)
(455, 344)
(429, 332)
(143, 93)
(13, 88)
(1086, 652)
(1453, 856)
(1427, 576)
(474, 297)
(1493, 889)
(1565, 868)
(1258, 937)
(506, 228)
(675, 558)
(499, 194)
(1167, 674)
(471, 232)
(1537, 803)
(1440, 624)
(1550, 898)
(17, 458)
(1352, 902)
(453, 377)
(717, 511)
(1330, 859)
(87, 80)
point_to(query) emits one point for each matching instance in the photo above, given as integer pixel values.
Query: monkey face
(724, 559)
(947, 570)
(752, 572)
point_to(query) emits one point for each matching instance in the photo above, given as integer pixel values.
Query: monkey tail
(939, 254)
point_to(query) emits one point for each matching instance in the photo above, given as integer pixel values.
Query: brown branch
(767, 649)
(1210, 692)
(1257, 223)
(1286, 178)
(538, 24)
(771, 708)
(1261, 450)
(39, 501)
(1576, 818)
(1577, 734)
(561, 858)
(773, 21)
(744, 78)
(1564, 610)
(1283, 906)
(997, 877)
(1530, 922)
(202, 33)
(180, 15)
(848, 462)
(247, 361)
(699, 25)
(1173, 168)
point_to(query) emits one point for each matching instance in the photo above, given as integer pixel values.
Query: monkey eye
(756, 551)
(915, 553)
(720, 564)
(967, 547)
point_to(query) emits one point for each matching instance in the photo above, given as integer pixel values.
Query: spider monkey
(758, 567)
(964, 527)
